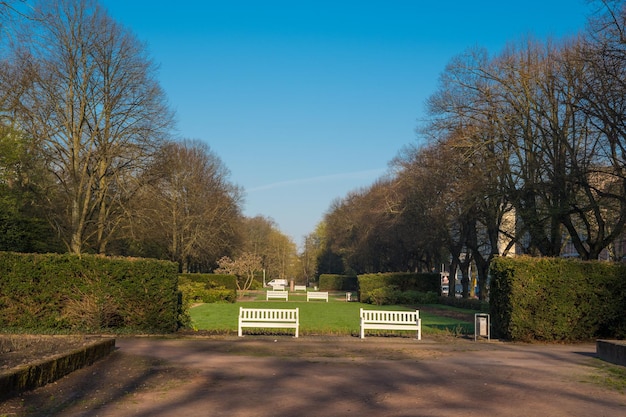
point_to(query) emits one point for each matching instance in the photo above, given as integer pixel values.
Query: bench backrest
(278, 287)
(268, 314)
(280, 294)
(382, 316)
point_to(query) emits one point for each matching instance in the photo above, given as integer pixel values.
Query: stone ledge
(613, 351)
(37, 374)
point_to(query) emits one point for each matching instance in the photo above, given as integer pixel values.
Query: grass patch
(316, 317)
(445, 307)
(609, 376)
(433, 324)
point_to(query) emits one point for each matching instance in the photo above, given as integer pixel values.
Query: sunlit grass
(316, 317)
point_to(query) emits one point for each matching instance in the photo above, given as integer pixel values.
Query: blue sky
(305, 101)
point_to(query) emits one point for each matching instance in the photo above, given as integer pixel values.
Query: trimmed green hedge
(555, 299)
(226, 281)
(336, 282)
(207, 288)
(50, 292)
(392, 288)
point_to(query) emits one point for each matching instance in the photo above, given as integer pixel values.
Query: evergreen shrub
(212, 280)
(207, 288)
(337, 282)
(391, 295)
(60, 293)
(389, 287)
(556, 299)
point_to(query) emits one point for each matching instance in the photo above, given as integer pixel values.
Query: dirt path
(329, 376)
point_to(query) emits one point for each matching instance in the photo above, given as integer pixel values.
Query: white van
(277, 282)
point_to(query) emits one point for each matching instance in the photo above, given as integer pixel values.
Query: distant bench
(299, 287)
(391, 320)
(273, 318)
(277, 294)
(317, 295)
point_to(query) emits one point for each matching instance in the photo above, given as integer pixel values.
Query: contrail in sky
(321, 178)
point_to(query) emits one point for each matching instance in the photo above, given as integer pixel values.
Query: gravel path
(330, 376)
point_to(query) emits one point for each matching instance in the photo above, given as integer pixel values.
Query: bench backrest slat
(381, 316)
(277, 294)
(262, 314)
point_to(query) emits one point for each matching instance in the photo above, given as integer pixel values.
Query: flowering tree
(243, 267)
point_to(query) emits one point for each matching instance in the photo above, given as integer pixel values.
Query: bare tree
(328, 260)
(369, 231)
(567, 185)
(436, 180)
(95, 107)
(308, 257)
(188, 207)
(262, 237)
(599, 217)
(344, 232)
(9, 11)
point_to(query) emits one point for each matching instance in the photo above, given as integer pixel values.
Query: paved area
(343, 376)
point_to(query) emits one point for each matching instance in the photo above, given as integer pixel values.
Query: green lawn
(316, 317)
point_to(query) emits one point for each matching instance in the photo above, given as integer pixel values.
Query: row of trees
(523, 151)
(88, 160)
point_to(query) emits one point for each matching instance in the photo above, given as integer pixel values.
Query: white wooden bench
(277, 294)
(278, 287)
(271, 318)
(391, 320)
(299, 287)
(317, 295)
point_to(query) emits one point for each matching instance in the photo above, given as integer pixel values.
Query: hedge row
(225, 281)
(336, 282)
(207, 288)
(388, 288)
(51, 292)
(548, 299)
